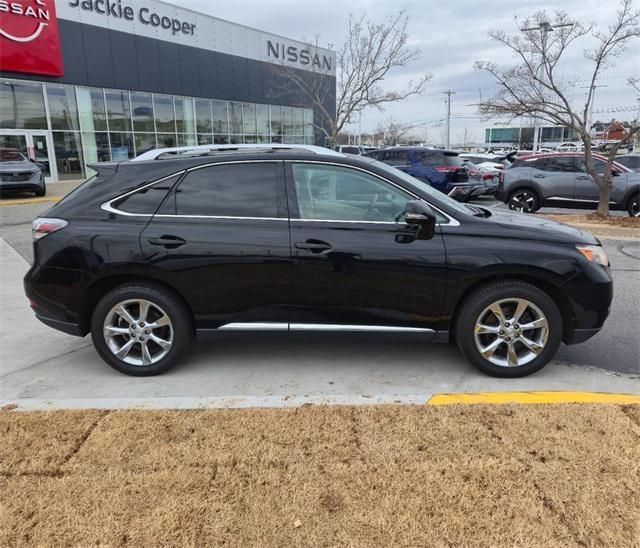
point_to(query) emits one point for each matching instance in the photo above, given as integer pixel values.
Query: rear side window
(396, 158)
(563, 163)
(147, 200)
(429, 158)
(232, 190)
(452, 160)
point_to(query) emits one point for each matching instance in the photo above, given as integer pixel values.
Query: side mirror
(420, 214)
(615, 172)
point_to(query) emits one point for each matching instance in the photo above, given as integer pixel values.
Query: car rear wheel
(633, 208)
(509, 329)
(141, 329)
(524, 201)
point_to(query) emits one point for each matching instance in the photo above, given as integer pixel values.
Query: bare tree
(369, 53)
(393, 132)
(535, 85)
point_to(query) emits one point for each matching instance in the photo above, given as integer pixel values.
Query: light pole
(545, 28)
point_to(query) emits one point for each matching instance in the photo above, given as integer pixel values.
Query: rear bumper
(66, 327)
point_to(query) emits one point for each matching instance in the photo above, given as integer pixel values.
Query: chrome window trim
(106, 206)
(452, 220)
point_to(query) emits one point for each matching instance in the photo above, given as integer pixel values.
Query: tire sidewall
(634, 199)
(177, 312)
(506, 290)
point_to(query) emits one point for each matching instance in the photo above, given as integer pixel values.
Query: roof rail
(202, 150)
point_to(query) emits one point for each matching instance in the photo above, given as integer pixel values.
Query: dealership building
(86, 81)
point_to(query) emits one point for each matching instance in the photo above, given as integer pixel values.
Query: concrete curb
(256, 402)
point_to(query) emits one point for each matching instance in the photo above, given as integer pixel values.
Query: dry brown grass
(595, 219)
(555, 475)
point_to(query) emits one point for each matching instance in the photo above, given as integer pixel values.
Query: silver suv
(561, 180)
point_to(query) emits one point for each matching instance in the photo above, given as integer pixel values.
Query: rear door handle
(315, 246)
(583, 177)
(539, 176)
(169, 241)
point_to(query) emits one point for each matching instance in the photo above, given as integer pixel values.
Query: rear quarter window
(146, 201)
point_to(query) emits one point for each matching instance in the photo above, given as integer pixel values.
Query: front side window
(343, 194)
(230, 190)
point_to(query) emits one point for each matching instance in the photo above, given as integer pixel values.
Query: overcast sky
(451, 38)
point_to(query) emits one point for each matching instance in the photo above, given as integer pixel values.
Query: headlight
(594, 253)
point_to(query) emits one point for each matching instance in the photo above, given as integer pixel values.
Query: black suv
(146, 255)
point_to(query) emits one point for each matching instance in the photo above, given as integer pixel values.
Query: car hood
(16, 166)
(533, 227)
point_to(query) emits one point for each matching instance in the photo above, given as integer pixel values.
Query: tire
(164, 306)
(475, 310)
(633, 206)
(524, 200)
(41, 191)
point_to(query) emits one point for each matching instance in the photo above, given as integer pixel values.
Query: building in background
(85, 81)
(522, 137)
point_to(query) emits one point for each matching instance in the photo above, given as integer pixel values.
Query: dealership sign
(29, 39)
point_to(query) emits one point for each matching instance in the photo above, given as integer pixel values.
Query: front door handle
(583, 177)
(315, 246)
(539, 176)
(169, 241)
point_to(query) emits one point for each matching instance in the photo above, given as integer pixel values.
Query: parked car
(443, 169)
(487, 160)
(485, 177)
(632, 161)
(561, 180)
(569, 147)
(147, 255)
(349, 149)
(18, 173)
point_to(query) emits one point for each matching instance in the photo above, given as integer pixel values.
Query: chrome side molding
(283, 326)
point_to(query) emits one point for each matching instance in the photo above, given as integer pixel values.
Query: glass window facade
(90, 125)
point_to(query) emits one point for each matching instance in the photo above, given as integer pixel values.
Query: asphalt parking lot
(40, 367)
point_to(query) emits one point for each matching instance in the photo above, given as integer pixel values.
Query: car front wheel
(141, 329)
(509, 329)
(523, 201)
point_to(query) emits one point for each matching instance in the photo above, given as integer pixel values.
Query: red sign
(29, 40)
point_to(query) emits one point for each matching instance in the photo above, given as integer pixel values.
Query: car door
(555, 176)
(356, 263)
(221, 238)
(587, 189)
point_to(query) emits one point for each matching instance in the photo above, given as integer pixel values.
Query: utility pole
(448, 93)
(592, 90)
(545, 28)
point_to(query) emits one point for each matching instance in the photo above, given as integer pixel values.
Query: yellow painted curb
(29, 201)
(533, 397)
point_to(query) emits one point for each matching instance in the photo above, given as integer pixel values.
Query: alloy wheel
(634, 209)
(511, 332)
(138, 332)
(523, 201)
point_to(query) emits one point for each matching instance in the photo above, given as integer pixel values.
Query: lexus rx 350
(148, 255)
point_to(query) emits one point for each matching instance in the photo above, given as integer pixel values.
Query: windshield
(420, 186)
(12, 156)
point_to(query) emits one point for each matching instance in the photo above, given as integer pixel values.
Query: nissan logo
(39, 13)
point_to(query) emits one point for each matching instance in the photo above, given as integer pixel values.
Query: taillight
(487, 177)
(43, 226)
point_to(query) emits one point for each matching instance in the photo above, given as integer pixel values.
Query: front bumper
(36, 182)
